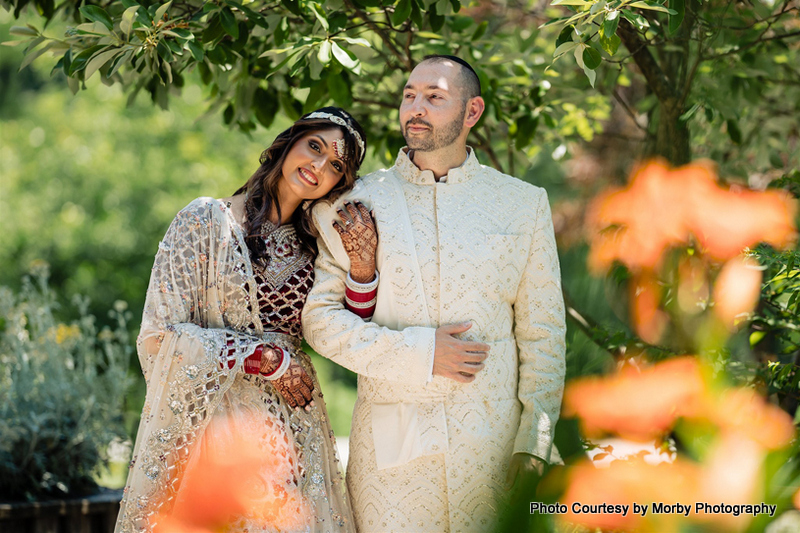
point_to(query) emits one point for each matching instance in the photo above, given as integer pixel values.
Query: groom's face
(433, 109)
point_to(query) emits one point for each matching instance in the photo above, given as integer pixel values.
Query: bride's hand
(359, 236)
(295, 385)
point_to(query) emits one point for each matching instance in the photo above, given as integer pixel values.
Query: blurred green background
(89, 184)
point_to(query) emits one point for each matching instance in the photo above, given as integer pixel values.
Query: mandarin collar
(468, 169)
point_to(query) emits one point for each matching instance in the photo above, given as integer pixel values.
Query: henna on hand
(270, 359)
(359, 235)
(295, 385)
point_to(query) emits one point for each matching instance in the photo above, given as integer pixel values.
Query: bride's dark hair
(262, 187)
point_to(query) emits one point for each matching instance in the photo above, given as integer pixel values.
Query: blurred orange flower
(642, 404)
(626, 482)
(737, 290)
(637, 404)
(648, 319)
(234, 475)
(663, 207)
(745, 412)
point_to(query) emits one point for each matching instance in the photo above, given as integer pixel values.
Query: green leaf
(526, 129)
(610, 23)
(610, 44)
(229, 23)
(436, 20)
(480, 30)
(565, 36)
(416, 15)
(690, 113)
(126, 22)
(98, 60)
(402, 11)
(360, 41)
(164, 52)
(651, 7)
(343, 57)
(23, 31)
(734, 132)
(340, 91)
(429, 35)
(591, 58)
(118, 62)
(756, 337)
(196, 50)
(565, 48)
(591, 74)
(639, 22)
(320, 17)
(30, 57)
(78, 62)
(569, 3)
(92, 28)
(97, 14)
(324, 54)
(161, 11)
(679, 6)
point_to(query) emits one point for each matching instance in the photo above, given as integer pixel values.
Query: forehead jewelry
(341, 122)
(340, 148)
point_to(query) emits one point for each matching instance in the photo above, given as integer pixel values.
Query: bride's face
(313, 166)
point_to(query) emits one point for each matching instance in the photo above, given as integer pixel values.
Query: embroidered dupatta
(198, 301)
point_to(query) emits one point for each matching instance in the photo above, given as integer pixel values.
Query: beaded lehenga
(205, 295)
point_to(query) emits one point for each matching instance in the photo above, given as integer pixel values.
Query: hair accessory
(340, 148)
(341, 122)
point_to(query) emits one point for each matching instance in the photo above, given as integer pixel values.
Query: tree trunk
(672, 134)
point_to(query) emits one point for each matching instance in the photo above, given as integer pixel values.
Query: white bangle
(278, 373)
(362, 287)
(360, 305)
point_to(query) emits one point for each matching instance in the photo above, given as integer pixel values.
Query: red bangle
(252, 364)
(360, 296)
(280, 364)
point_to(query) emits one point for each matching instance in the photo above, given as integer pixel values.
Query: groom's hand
(526, 469)
(457, 359)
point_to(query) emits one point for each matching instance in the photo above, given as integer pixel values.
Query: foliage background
(90, 184)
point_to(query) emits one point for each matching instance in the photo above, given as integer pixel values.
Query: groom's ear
(475, 108)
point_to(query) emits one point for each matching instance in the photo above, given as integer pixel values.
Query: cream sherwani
(429, 453)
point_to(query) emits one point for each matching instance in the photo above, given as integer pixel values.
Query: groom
(461, 369)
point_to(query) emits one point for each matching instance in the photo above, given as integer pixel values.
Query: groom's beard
(434, 139)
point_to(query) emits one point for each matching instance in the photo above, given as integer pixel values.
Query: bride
(220, 340)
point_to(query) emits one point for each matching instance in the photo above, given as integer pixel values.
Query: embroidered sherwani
(208, 306)
(429, 453)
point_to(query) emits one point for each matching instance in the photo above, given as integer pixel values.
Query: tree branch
(630, 112)
(754, 43)
(486, 147)
(647, 64)
(381, 33)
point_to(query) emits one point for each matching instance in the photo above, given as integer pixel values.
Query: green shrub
(62, 388)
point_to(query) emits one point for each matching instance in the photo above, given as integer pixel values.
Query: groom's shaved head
(468, 81)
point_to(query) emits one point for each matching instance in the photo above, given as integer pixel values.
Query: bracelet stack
(360, 298)
(252, 364)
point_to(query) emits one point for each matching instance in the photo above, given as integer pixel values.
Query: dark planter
(92, 514)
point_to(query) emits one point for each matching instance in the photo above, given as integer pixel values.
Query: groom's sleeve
(366, 348)
(539, 331)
